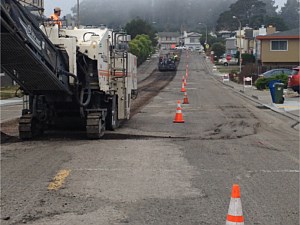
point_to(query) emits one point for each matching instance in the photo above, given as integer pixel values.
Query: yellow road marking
(288, 106)
(58, 180)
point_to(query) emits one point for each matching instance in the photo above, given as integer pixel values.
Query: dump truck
(85, 74)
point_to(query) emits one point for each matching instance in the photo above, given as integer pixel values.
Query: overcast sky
(66, 5)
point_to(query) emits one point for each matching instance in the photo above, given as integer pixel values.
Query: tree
(141, 46)
(134, 48)
(226, 22)
(277, 22)
(290, 13)
(270, 8)
(249, 12)
(218, 48)
(138, 26)
(210, 40)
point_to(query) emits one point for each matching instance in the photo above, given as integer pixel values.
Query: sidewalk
(290, 107)
(11, 101)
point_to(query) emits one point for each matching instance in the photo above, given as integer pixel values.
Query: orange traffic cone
(235, 212)
(182, 87)
(185, 99)
(178, 117)
(187, 73)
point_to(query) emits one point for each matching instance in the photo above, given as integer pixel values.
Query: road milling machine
(85, 74)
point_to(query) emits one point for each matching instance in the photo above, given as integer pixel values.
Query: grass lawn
(228, 69)
(8, 92)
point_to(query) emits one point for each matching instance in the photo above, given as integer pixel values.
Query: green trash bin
(278, 93)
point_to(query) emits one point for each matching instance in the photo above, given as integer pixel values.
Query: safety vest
(56, 20)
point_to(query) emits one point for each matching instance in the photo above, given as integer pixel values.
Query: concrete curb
(255, 99)
(9, 102)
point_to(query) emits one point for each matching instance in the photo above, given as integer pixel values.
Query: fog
(66, 5)
(168, 15)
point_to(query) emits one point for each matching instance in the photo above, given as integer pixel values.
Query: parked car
(294, 79)
(228, 60)
(274, 72)
(180, 47)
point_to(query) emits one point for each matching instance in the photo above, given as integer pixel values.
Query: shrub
(10, 92)
(283, 79)
(247, 58)
(262, 83)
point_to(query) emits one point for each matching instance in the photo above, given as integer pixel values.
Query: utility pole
(240, 32)
(78, 21)
(205, 31)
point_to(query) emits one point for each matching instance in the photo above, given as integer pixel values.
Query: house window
(279, 45)
(193, 40)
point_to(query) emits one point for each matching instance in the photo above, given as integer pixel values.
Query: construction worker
(55, 17)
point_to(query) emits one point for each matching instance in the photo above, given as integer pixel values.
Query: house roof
(193, 34)
(168, 34)
(289, 34)
(225, 32)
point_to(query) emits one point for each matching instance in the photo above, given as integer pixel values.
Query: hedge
(262, 83)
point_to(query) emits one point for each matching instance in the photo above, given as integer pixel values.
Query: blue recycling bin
(276, 89)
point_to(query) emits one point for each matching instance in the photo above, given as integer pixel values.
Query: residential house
(279, 48)
(245, 38)
(168, 40)
(230, 45)
(241, 40)
(241, 43)
(225, 34)
(249, 41)
(192, 40)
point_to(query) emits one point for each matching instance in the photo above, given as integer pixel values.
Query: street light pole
(240, 32)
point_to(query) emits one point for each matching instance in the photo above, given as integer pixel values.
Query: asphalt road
(153, 171)
(11, 111)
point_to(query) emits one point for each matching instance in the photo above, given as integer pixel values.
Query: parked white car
(180, 47)
(228, 60)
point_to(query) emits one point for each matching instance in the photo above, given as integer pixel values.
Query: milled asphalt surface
(157, 172)
(10, 108)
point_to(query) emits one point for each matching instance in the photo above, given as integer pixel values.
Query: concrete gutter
(290, 108)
